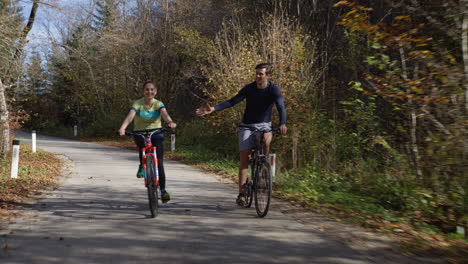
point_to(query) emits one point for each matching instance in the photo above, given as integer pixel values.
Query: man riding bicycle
(260, 96)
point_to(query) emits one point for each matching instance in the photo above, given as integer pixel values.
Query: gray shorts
(247, 137)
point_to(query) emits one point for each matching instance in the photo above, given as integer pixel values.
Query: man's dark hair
(267, 66)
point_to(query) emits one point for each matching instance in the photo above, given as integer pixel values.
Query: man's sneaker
(165, 197)
(141, 172)
(240, 199)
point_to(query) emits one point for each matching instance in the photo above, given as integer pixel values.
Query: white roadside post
(272, 157)
(172, 142)
(33, 140)
(75, 130)
(15, 159)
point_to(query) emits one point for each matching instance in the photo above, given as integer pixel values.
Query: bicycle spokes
(152, 185)
(263, 189)
(248, 193)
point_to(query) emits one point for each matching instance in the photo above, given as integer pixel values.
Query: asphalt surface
(100, 214)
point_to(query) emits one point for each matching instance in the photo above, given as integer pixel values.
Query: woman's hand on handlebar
(172, 125)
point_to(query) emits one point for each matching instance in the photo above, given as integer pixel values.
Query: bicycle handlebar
(146, 132)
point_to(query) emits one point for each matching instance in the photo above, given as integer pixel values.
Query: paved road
(100, 215)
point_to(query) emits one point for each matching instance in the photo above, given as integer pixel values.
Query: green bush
(200, 133)
(312, 182)
(103, 127)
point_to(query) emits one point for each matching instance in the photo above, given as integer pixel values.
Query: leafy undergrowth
(36, 172)
(206, 160)
(416, 236)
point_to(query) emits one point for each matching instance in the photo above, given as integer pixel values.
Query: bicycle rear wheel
(152, 188)
(263, 188)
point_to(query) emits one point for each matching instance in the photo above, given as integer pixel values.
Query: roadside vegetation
(376, 204)
(37, 172)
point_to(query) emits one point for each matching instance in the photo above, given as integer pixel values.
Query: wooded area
(376, 91)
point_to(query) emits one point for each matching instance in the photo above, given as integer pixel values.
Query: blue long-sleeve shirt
(259, 103)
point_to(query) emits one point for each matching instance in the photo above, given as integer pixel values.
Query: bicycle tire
(249, 192)
(263, 187)
(152, 188)
(250, 183)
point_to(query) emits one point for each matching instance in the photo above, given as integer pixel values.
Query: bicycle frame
(148, 150)
(256, 156)
(258, 151)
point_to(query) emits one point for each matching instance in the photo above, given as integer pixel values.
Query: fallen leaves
(37, 172)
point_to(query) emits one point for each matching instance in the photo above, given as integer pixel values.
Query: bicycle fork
(156, 174)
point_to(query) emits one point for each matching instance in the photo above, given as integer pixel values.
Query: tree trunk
(4, 126)
(294, 150)
(22, 39)
(464, 8)
(464, 5)
(4, 115)
(413, 121)
(27, 28)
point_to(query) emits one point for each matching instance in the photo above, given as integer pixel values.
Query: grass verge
(36, 172)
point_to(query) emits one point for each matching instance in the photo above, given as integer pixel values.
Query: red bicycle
(150, 166)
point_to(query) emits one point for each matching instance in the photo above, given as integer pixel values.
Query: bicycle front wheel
(249, 187)
(152, 188)
(263, 188)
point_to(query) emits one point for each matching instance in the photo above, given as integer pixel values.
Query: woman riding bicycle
(146, 114)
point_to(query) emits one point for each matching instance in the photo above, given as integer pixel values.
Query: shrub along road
(99, 214)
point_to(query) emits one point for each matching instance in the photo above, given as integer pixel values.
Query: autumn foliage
(373, 90)
(423, 79)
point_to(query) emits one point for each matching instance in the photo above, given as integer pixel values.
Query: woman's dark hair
(147, 82)
(267, 66)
